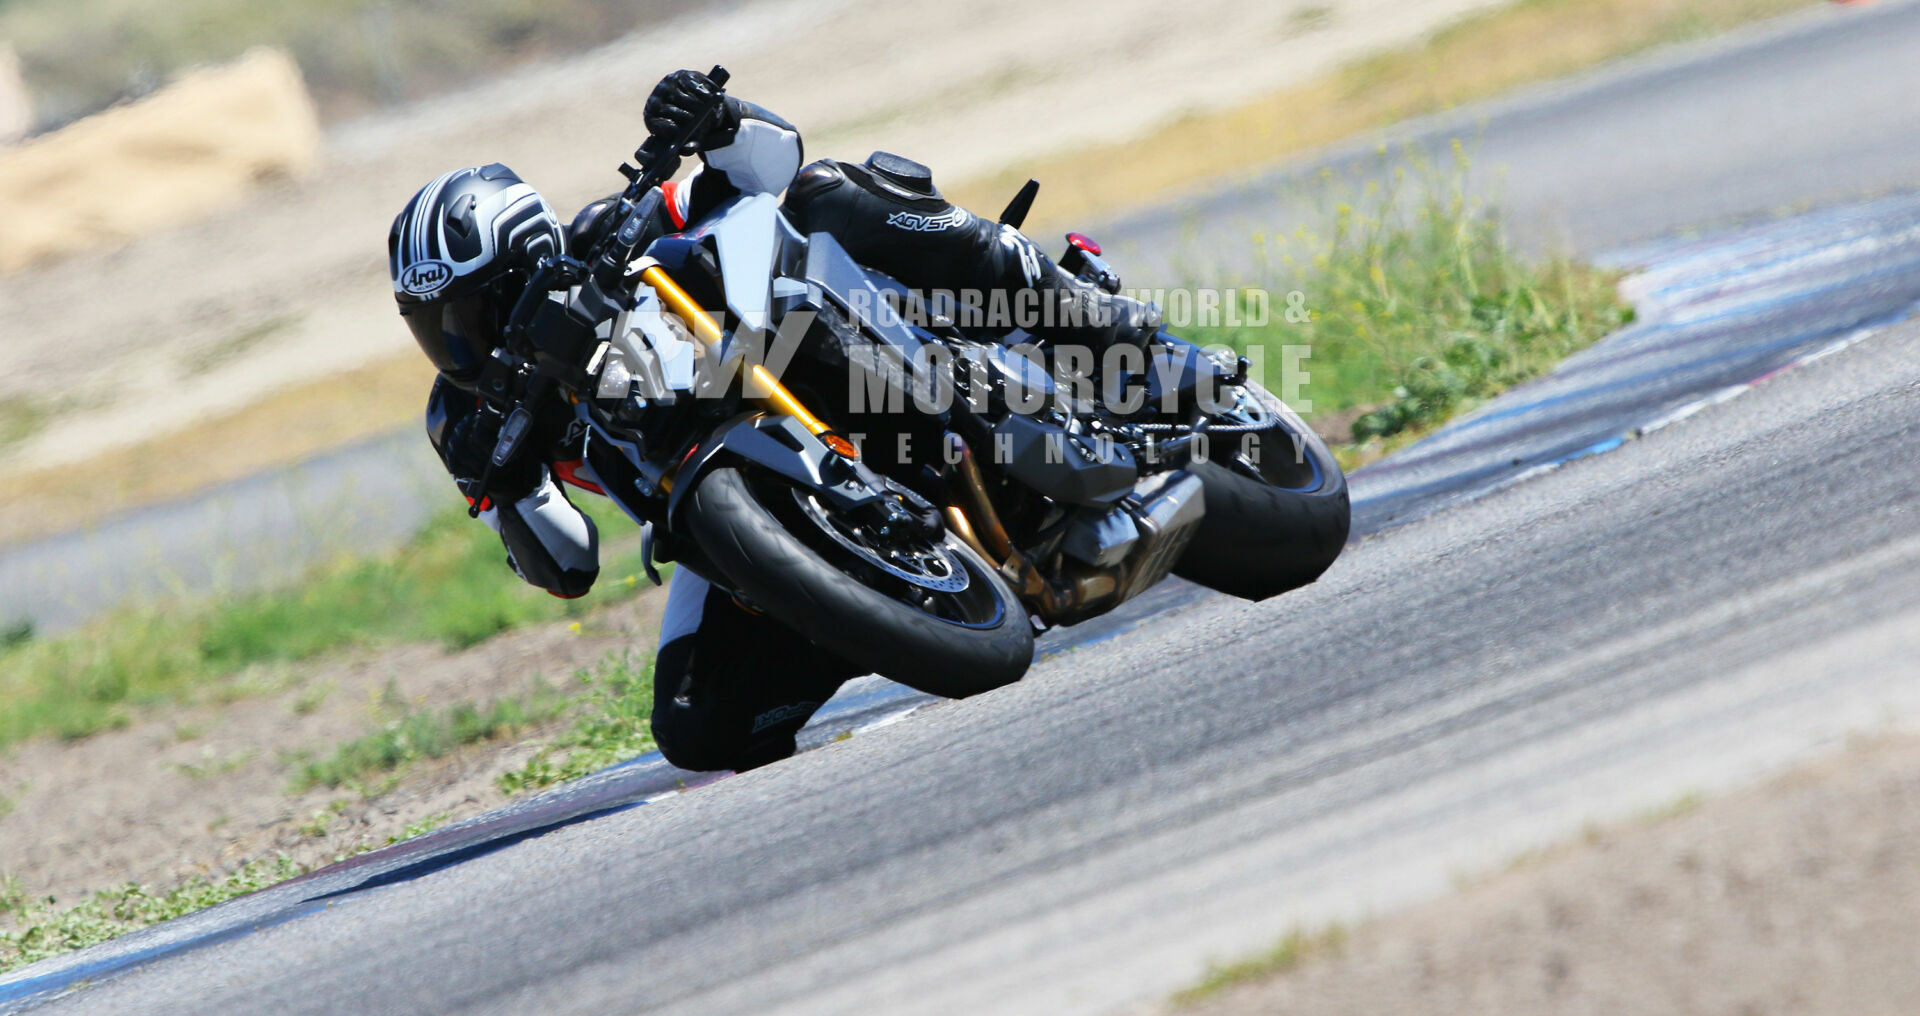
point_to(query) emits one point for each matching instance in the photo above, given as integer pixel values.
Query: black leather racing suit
(732, 687)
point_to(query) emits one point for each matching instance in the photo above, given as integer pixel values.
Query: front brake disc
(936, 568)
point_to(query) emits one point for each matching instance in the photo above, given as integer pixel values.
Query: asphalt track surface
(1555, 636)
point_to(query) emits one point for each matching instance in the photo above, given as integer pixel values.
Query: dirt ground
(115, 347)
(190, 791)
(1801, 896)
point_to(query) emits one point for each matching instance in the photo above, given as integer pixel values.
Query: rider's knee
(687, 747)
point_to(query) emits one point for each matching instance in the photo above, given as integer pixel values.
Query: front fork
(777, 399)
(976, 524)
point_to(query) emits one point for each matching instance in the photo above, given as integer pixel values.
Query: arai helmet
(459, 253)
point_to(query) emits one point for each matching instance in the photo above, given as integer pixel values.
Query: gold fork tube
(707, 331)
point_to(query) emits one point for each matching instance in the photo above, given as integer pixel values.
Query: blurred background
(233, 574)
(193, 287)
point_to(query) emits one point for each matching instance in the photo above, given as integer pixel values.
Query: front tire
(984, 641)
(1271, 525)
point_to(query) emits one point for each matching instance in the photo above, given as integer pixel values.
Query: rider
(731, 687)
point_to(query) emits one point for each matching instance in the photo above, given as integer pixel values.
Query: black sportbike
(914, 495)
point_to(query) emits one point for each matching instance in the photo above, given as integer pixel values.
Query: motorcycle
(739, 383)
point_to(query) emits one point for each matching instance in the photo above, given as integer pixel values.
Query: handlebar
(548, 275)
(659, 159)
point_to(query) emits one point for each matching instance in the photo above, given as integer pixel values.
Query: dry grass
(293, 425)
(1295, 948)
(187, 150)
(1533, 40)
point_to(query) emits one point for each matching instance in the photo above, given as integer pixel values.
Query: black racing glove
(677, 100)
(1089, 315)
(469, 447)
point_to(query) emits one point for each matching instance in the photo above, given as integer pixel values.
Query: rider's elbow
(571, 584)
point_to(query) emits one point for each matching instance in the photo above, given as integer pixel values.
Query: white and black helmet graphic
(470, 224)
(451, 250)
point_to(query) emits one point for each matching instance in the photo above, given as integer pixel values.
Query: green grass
(320, 823)
(21, 418)
(1286, 954)
(411, 735)
(610, 725)
(311, 699)
(211, 766)
(450, 585)
(41, 928)
(1419, 308)
(419, 828)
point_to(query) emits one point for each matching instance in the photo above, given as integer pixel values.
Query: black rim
(853, 550)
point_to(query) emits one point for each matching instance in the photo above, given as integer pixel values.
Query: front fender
(782, 445)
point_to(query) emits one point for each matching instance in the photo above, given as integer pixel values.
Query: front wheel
(922, 611)
(1277, 505)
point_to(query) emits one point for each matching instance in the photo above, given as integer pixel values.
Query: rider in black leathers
(731, 687)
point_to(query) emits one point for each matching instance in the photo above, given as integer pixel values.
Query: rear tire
(772, 567)
(1259, 539)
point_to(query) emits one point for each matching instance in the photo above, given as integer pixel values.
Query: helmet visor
(457, 335)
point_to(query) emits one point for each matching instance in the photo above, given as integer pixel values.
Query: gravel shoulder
(1798, 896)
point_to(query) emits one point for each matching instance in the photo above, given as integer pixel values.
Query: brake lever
(513, 434)
(519, 414)
(658, 160)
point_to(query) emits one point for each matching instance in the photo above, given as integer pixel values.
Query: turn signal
(841, 445)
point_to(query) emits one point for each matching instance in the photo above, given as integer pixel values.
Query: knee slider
(696, 750)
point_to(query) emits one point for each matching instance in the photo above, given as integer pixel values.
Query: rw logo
(426, 278)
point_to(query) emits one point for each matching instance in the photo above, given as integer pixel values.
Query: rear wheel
(1277, 505)
(926, 612)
